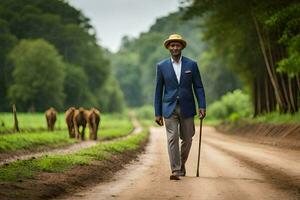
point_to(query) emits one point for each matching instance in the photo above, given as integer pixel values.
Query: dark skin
(175, 49)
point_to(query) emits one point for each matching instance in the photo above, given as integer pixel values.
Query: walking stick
(199, 148)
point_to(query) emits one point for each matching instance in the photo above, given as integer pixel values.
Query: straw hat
(175, 38)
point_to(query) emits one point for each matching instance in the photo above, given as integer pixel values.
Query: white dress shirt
(177, 67)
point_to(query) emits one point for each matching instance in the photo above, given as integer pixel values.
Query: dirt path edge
(52, 185)
(283, 135)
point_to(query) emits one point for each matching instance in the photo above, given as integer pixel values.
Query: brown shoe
(174, 176)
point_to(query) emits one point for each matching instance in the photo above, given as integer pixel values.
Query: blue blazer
(168, 91)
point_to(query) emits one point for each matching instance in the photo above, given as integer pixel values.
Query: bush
(231, 106)
(145, 112)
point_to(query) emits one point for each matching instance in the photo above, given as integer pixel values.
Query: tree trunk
(268, 66)
(268, 108)
(298, 81)
(291, 93)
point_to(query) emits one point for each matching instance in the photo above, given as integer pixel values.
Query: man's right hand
(159, 120)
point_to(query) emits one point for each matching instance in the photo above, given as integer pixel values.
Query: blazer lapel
(182, 69)
(172, 70)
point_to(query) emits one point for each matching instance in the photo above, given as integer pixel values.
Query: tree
(76, 88)
(251, 35)
(135, 64)
(72, 35)
(38, 76)
(110, 97)
(7, 42)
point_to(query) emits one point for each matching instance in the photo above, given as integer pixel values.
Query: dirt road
(231, 169)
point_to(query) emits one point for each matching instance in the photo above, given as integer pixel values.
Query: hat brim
(168, 41)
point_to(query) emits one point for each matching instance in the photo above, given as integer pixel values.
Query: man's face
(175, 48)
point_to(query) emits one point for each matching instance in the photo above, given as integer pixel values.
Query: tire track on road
(277, 177)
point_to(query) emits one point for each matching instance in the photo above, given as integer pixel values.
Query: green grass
(59, 163)
(29, 121)
(276, 118)
(147, 122)
(114, 125)
(37, 121)
(17, 141)
(119, 131)
(111, 126)
(113, 120)
(271, 118)
(207, 121)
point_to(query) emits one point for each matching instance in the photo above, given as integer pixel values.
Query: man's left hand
(202, 113)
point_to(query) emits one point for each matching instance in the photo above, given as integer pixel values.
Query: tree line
(134, 65)
(49, 56)
(260, 42)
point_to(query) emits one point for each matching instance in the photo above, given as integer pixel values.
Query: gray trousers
(177, 126)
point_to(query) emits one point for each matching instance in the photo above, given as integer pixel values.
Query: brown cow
(80, 119)
(93, 121)
(69, 120)
(51, 118)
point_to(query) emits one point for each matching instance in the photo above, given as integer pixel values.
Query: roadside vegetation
(34, 140)
(29, 121)
(236, 106)
(21, 170)
(276, 118)
(35, 135)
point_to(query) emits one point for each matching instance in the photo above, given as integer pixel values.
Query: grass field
(20, 170)
(37, 121)
(32, 137)
(29, 121)
(18, 141)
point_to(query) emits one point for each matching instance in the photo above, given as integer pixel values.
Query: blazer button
(177, 97)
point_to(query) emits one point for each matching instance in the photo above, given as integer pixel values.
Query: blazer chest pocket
(188, 72)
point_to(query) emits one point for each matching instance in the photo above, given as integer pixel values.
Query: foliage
(72, 35)
(75, 88)
(291, 64)
(38, 76)
(217, 76)
(135, 64)
(231, 106)
(258, 40)
(287, 20)
(110, 97)
(145, 112)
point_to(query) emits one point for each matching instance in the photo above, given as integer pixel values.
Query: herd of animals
(76, 118)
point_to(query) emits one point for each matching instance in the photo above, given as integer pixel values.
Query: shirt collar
(173, 61)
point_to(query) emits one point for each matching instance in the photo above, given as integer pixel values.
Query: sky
(114, 19)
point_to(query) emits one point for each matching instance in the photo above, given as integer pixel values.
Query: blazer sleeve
(198, 87)
(158, 91)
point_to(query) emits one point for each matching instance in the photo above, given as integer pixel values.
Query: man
(176, 80)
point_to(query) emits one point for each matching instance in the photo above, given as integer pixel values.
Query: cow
(69, 120)
(93, 121)
(50, 115)
(80, 119)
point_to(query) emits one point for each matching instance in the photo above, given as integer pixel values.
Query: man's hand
(159, 120)
(202, 113)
